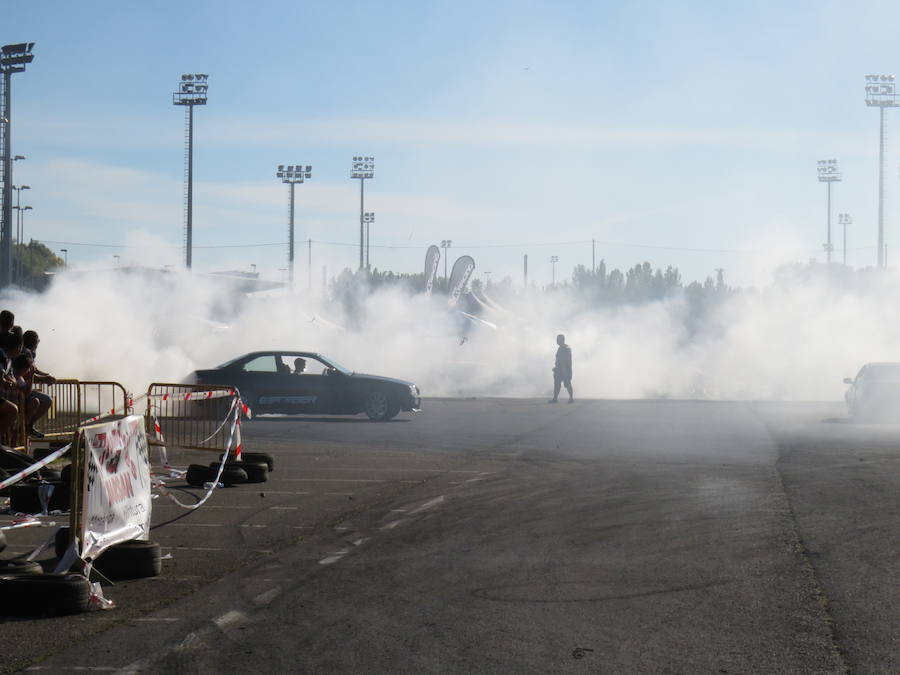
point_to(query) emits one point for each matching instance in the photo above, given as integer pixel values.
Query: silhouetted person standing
(562, 371)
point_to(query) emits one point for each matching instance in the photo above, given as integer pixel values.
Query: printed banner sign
(459, 277)
(117, 500)
(432, 258)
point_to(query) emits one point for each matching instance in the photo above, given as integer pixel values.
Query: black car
(307, 382)
(875, 392)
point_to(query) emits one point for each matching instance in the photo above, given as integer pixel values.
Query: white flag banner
(116, 505)
(432, 258)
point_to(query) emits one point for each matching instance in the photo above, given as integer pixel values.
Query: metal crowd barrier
(76, 401)
(191, 424)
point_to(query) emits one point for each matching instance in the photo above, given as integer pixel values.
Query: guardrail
(186, 420)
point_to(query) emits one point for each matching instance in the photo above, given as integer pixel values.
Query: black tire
(197, 475)
(13, 460)
(16, 567)
(25, 498)
(394, 410)
(377, 405)
(44, 594)
(257, 472)
(61, 542)
(135, 559)
(258, 457)
(231, 475)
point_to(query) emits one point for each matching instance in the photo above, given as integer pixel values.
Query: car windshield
(334, 364)
(882, 372)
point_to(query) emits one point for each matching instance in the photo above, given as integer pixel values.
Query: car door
(259, 382)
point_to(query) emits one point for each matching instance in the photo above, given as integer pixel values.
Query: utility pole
(525, 261)
(880, 93)
(828, 173)
(192, 92)
(553, 260)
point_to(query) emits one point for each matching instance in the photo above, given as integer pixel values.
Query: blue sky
(512, 128)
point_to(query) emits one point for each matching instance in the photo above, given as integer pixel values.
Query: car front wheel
(378, 406)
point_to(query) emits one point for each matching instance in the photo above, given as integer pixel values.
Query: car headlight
(414, 390)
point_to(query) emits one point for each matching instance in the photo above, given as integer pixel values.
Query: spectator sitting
(37, 402)
(10, 347)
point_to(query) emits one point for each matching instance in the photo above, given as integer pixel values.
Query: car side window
(261, 364)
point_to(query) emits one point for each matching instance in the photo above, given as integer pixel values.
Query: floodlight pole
(880, 93)
(13, 59)
(192, 91)
(292, 175)
(845, 220)
(553, 260)
(368, 219)
(828, 173)
(445, 244)
(362, 168)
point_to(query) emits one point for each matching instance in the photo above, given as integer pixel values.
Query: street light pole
(193, 91)
(362, 168)
(65, 253)
(828, 173)
(880, 93)
(445, 244)
(292, 175)
(368, 219)
(845, 220)
(553, 260)
(13, 59)
(19, 231)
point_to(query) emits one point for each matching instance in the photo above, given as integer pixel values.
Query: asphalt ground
(499, 535)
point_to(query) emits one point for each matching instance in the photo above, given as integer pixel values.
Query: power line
(575, 242)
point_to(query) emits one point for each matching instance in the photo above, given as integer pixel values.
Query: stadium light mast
(368, 219)
(362, 168)
(553, 260)
(828, 173)
(292, 175)
(192, 92)
(445, 244)
(19, 231)
(13, 59)
(880, 93)
(844, 219)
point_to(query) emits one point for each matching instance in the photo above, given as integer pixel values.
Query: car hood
(380, 378)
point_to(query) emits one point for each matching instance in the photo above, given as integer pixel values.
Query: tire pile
(27, 591)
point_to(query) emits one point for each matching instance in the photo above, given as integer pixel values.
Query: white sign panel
(116, 504)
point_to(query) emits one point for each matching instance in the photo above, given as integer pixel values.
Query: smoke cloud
(794, 339)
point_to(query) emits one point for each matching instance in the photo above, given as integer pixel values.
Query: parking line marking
(333, 558)
(229, 618)
(427, 505)
(267, 597)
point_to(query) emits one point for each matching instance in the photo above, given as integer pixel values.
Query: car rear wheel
(378, 406)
